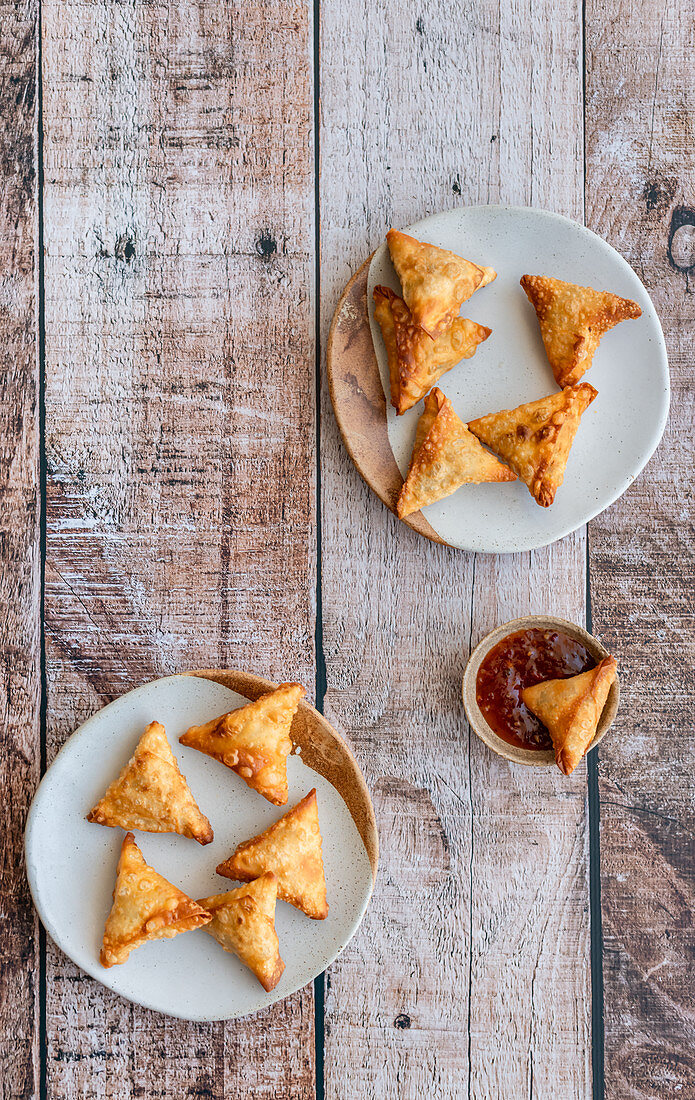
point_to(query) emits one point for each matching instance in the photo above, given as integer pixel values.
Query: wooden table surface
(185, 187)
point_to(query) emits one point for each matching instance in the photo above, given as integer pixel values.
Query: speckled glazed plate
(71, 863)
(618, 433)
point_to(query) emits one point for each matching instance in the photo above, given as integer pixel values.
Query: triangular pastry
(570, 709)
(243, 922)
(445, 456)
(254, 741)
(416, 361)
(151, 793)
(435, 282)
(536, 438)
(292, 849)
(489, 276)
(573, 319)
(145, 907)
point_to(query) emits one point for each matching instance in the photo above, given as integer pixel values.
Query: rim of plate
(654, 437)
(91, 968)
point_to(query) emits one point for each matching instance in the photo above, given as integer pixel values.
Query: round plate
(71, 863)
(533, 757)
(618, 433)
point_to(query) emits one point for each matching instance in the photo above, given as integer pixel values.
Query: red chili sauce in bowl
(520, 660)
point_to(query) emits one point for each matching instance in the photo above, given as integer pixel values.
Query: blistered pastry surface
(446, 455)
(146, 906)
(291, 848)
(243, 923)
(254, 741)
(151, 794)
(536, 438)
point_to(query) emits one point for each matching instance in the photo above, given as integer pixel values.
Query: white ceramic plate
(620, 430)
(71, 863)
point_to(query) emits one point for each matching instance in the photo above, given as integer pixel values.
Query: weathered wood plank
(180, 428)
(471, 976)
(20, 578)
(640, 195)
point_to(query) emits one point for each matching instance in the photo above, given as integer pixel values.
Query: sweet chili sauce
(521, 659)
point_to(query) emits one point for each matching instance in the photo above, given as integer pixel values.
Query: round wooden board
(358, 398)
(322, 749)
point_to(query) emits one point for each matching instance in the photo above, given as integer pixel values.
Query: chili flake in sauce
(521, 659)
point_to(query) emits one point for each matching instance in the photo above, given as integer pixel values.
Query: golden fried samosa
(254, 741)
(292, 849)
(435, 282)
(145, 907)
(573, 319)
(416, 361)
(445, 456)
(243, 923)
(570, 710)
(489, 276)
(536, 438)
(151, 793)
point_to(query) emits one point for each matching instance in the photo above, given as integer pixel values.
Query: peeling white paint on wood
(179, 207)
(640, 187)
(473, 976)
(180, 448)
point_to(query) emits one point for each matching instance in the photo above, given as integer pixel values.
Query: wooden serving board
(358, 398)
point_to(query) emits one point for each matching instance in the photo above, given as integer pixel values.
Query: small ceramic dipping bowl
(532, 757)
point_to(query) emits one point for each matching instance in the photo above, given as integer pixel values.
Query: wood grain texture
(180, 429)
(20, 582)
(181, 527)
(640, 192)
(471, 976)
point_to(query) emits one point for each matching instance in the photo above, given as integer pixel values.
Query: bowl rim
(479, 725)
